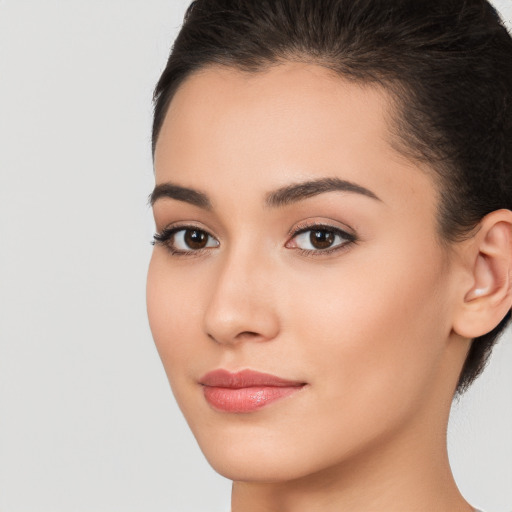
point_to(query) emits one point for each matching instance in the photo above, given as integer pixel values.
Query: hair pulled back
(446, 63)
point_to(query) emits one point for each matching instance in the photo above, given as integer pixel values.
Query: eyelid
(308, 225)
(175, 226)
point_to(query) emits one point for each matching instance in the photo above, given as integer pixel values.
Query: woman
(333, 254)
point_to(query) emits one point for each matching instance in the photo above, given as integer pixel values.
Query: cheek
(173, 321)
(374, 335)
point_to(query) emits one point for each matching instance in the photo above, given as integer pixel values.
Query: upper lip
(244, 379)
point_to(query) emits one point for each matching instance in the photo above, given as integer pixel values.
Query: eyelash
(167, 234)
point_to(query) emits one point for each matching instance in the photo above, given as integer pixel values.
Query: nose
(242, 307)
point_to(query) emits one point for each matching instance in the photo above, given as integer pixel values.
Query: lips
(245, 391)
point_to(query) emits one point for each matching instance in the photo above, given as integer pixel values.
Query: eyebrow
(281, 197)
(185, 194)
(297, 192)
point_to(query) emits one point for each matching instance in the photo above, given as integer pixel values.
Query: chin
(248, 452)
(266, 455)
(262, 468)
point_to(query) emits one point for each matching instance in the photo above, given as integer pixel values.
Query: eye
(194, 239)
(320, 239)
(183, 240)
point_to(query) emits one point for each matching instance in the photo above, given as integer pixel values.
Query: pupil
(196, 239)
(321, 239)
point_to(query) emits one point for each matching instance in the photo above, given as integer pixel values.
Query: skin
(369, 327)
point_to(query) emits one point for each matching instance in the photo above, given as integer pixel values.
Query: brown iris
(321, 239)
(196, 239)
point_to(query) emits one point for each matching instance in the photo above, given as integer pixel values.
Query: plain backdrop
(87, 419)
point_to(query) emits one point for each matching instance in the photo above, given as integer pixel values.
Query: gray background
(87, 421)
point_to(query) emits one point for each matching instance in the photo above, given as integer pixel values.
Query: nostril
(248, 333)
(242, 336)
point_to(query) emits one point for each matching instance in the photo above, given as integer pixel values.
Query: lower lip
(246, 399)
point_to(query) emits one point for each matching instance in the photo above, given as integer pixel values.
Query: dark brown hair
(446, 63)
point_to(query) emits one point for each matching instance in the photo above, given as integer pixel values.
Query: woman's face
(300, 244)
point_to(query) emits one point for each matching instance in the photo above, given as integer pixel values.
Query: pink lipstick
(245, 391)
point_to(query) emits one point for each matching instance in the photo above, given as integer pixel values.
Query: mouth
(245, 391)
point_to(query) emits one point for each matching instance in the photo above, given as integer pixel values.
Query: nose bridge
(241, 305)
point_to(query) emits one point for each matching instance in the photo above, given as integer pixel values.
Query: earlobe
(489, 297)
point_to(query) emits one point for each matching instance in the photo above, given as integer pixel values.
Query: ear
(488, 296)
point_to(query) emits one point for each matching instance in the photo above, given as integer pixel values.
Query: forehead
(291, 122)
(287, 100)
